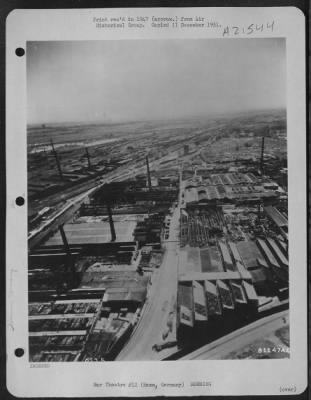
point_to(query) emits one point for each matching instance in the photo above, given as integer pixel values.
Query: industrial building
(69, 330)
(91, 232)
(58, 329)
(235, 276)
(91, 273)
(278, 219)
(269, 276)
(208, 309)
(200, 227)
(88, 280)
(226, 188)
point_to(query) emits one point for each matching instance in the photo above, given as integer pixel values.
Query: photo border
(21, 216)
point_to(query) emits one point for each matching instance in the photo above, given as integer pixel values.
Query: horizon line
(168, 119)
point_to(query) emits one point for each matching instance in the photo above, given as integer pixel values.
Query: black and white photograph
(156, 190)
(157, 200)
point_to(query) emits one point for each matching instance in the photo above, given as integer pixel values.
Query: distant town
(159, 240)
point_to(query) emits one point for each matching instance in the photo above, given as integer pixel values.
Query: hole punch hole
(20, 52)
(20, 201)
(19, 352)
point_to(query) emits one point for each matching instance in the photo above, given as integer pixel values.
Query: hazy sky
(152, 79)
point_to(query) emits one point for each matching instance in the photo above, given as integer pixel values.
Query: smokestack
(57, 160)
(112, 230)
(88, 157)
(64, 238)
(262, 155)
(148, 173)
(68, 252)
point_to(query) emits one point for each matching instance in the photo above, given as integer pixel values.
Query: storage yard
(180, 239)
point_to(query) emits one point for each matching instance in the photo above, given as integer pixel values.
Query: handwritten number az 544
(237, 30)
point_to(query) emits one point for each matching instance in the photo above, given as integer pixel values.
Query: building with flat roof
(250, 255)
(94, 232)
(59, 329)
(196, 259)
(226, 188)
(210, 276)
(264, 270)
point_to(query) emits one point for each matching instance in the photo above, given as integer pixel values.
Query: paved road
(160, 302)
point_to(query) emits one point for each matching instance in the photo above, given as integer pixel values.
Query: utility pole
(57, 160)
(70, 263)
(262, 155)
(148, 173)
(112, 230)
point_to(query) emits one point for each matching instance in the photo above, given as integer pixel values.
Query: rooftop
(200, 260)
(250, 255)
(276, 216)
(211, 276)
(94, 232)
